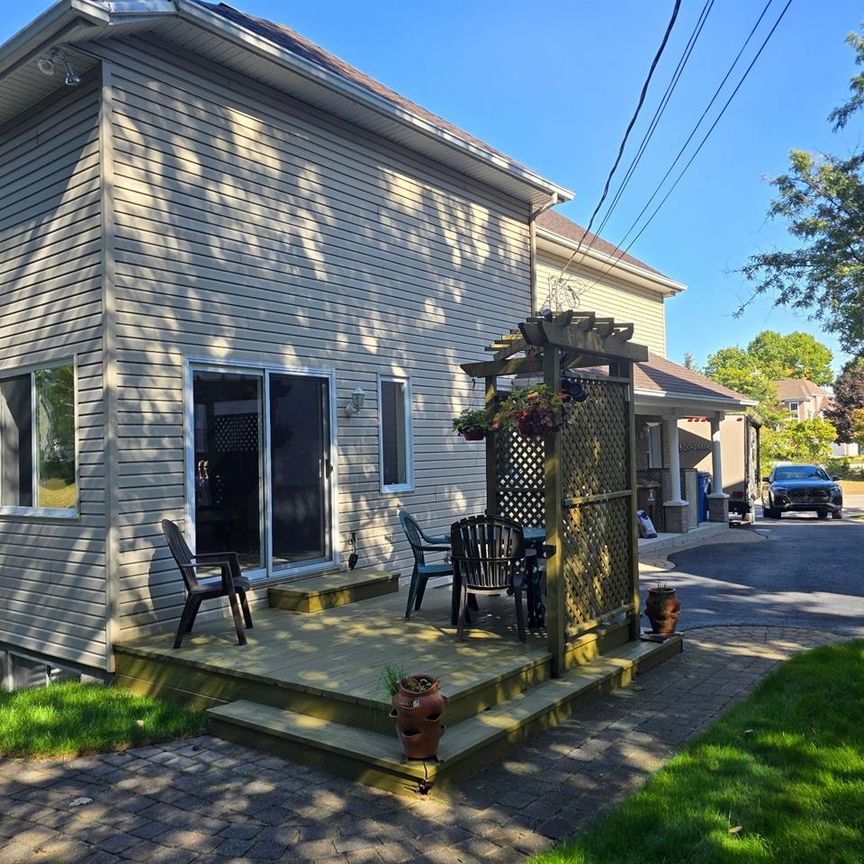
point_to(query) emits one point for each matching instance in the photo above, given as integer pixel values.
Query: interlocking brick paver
(214, 802)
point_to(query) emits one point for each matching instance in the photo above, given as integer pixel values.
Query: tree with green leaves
(856, 426)
(848, 396)
(822, 199)
(797, 441)
(795, 355)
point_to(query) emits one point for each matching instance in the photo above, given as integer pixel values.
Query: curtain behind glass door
(300, 468)
(228, 487)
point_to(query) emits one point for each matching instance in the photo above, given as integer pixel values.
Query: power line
(630, 125)
(701, 143)
(658, 114)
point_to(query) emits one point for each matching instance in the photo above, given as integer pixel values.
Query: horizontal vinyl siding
(52, 573)
(611, 298)
(253, 228)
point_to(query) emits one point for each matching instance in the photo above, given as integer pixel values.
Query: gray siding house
(237, 279)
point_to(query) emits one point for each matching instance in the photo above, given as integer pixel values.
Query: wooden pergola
(578, 480)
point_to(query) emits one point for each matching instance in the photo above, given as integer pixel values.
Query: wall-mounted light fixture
(47, 64)
(358, 397)
(72, 79)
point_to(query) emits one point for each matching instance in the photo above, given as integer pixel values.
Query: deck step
(374, 758)
(332, 589)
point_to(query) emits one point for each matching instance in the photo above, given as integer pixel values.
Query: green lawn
(778, 780)
(74, 719)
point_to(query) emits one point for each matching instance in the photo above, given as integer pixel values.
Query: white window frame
(47, 512)
(794, 409)
(267, 573)
(408, 485)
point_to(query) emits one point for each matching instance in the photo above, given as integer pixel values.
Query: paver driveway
(807, 572)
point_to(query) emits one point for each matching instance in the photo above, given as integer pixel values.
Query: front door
(262, 467)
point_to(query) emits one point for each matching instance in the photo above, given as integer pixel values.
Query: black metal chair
(421, 543)
(231, 584)
(488, 558)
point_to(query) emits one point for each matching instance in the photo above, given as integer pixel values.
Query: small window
(397, 470)
(37, 443)
(793, 409)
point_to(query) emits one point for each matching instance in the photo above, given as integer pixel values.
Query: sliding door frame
(263, 371)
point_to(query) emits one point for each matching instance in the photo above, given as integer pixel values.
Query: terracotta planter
(418, 719)
(473, 434)
(662, 608)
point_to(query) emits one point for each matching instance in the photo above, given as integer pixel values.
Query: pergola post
(624, 369)
(491, 452)
(554, 507)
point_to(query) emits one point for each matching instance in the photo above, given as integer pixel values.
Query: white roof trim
(596, 260)
(663, 400)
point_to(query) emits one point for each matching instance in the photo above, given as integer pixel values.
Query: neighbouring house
(668, 395)
(803, 399)
(238, 279)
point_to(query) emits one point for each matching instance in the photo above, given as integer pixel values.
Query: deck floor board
(345, 649)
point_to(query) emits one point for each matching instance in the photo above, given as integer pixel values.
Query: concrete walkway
(209, 801)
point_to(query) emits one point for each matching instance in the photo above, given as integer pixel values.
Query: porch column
(676, 507)
(718, 502)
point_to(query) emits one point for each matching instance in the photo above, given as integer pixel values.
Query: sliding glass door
(262, 467)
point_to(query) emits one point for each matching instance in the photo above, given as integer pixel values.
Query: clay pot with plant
(418, 706)
(472, 424)
(662, 608)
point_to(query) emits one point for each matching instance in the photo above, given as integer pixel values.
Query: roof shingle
(664, 376)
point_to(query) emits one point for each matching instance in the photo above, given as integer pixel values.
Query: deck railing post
(554, 511)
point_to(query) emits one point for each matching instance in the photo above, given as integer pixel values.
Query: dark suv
(801, 487)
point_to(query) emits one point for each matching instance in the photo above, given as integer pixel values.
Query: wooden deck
(339, 653)
(308, 684)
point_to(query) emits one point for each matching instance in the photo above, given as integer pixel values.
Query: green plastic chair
(421, 543)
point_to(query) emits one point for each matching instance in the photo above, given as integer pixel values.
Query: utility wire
(658, 114)
(630, 125)
(623, 252)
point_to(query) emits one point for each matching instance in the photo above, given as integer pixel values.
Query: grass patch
(852, 487)
(778, 780)
(75, 719)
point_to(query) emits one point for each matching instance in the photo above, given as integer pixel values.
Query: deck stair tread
(462, 739)
(328, 590)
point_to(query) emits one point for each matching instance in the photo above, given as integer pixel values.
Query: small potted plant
(418, 706)
(532, 411)
(662, 608)
(472, 424)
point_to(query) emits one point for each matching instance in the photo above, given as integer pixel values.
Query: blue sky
(553, 83)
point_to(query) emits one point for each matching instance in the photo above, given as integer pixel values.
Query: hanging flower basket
(472, 425)
(532, 411)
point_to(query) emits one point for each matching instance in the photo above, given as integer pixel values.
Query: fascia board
(600, 261)
(657, 401)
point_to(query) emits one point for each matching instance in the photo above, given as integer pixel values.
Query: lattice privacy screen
(521, 488)
(596, 534)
